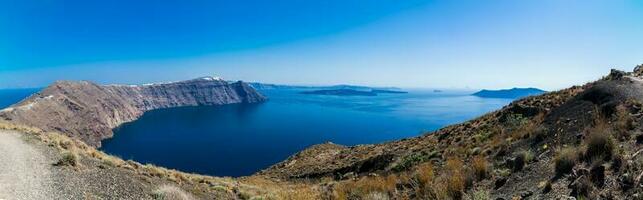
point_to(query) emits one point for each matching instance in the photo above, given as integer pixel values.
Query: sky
(549, 44)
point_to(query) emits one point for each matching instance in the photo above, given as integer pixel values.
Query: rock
(499, 183)
(475, 151)
(349, 175)
(615, 74)
(88, 111)
(626, 181)
(597, 175)
(526, 194)
(638, 70)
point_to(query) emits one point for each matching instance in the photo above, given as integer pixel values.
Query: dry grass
(599, 144)
(425, 173)
(168, 192)
(455, 184)
(623, 121)
(68, 159)
(480, 167)
(565, 161)
(365, 186)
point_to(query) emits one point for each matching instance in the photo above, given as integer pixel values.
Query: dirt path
(24, 170)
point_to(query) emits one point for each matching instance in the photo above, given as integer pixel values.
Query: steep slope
(584, 142)
(89, 111)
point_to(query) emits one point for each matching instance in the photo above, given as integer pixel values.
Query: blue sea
(11, 96)
(239, 140)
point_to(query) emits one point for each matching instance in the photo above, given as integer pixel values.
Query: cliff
(89, 111)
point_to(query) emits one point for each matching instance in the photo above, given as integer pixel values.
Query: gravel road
(24, 170)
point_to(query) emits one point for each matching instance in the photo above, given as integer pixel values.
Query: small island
(352, 92)
(388, 91)
(512, 93)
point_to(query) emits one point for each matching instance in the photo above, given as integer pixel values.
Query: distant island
(512, 93)
(389, 91)
(352, 92)
(267, 86)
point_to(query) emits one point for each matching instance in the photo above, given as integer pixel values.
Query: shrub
(599, 146)
(68, 159)
(623, 122)
(565, 161)
(377, 196)
(617, 162)
(456, 180)
(504, 172)
(547, 188)
(414, 159)
(481, 195)
(519, 162)
(480, 168)
(597, 174)
(425, 173)
(366, 186)
(515, 120)
(581, 189)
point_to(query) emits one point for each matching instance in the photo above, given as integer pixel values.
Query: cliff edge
(89, 112)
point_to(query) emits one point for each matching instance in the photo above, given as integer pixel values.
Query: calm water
(238, 140)
(11, 96)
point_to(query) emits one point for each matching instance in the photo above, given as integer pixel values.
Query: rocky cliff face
(89, 111)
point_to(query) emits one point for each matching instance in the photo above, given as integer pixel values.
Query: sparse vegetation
(624, 122)
(480, 167)
(565, 161)
(515, 120)
(425, 173)
(519, 162)
(413, 159)
(456, 180)
(597, 174)
(600, 146)
(581, 189)
(364, 187)
(481, 195)
(68, 159)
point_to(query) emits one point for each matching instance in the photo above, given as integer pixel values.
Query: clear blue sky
(431, 44)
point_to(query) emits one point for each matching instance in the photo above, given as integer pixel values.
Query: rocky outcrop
(89, 111)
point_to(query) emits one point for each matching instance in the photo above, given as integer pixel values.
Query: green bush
(481, 195)
(414, 159)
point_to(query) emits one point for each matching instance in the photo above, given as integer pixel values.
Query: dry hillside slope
(582, 142)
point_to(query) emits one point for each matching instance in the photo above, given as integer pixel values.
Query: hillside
(584, 142)
(89, 111)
